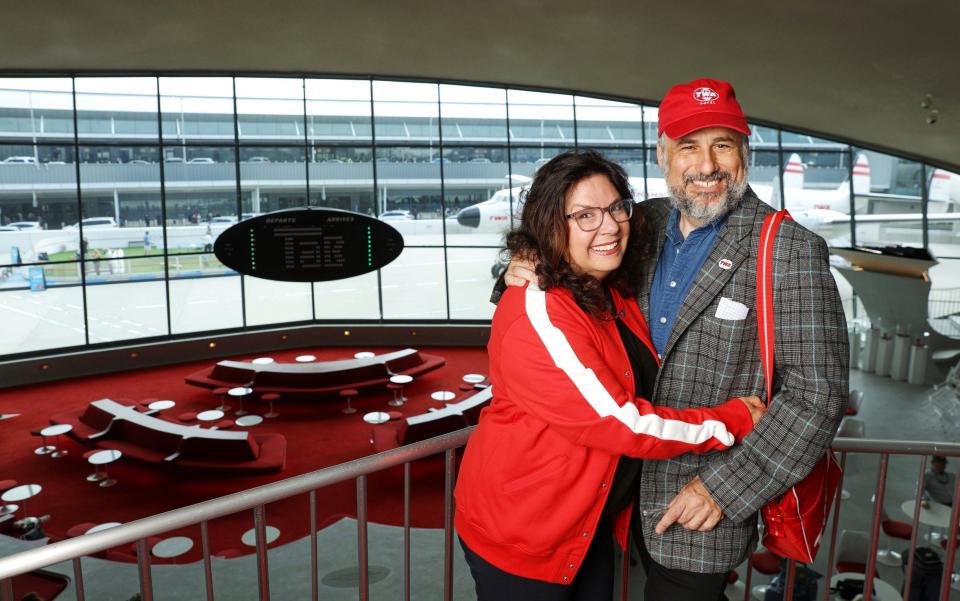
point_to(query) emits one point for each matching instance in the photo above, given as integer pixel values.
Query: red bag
(793, 523)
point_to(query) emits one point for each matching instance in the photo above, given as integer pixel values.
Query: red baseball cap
(701, 103)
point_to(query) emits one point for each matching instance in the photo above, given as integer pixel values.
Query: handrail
(87, 544)
(895, 447)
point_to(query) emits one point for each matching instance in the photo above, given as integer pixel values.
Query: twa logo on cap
(725, 264)
(705, 95)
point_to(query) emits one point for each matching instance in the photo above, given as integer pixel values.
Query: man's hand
(693, 508)
(756, 406)
(519, 272)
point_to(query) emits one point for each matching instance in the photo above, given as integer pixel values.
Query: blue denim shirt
(677, 269)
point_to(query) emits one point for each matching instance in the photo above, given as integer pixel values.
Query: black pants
(593, 582)
(666, 584)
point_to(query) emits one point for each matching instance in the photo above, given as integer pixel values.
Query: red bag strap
(765, 321)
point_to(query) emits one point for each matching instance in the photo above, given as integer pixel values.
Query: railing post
(143, 568)
(875, 528)
(207, 568)
(449, 474)
(263, 574)
(362, 537)
(951, 547)
(915, 525)
(78, 579)
(834, 526)
(7, 589)
(314, 561)
(406, 531)
(791, 576)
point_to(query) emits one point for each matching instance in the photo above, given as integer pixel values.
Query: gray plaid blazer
(708, 360)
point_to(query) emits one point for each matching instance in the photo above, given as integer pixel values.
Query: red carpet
(318, 435)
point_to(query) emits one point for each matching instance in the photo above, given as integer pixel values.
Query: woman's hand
(756, 406)
(519, 272)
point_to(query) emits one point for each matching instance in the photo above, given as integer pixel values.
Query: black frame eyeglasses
(620, 211)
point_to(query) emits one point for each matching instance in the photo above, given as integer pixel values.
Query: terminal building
(119, 170)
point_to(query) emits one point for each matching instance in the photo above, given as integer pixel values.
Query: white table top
(376, 417)
(263, 360)
(248, 420)
(173, 546)
(474, 378)
(443, 395)
(56, 430)
(240, 391)
(21, 493)
(363, 355)
(306, 358)
(249, 537)
(401, 379)
(104, 457)
(938, 515)
(102, 527)
(161, 405)
(210, 415)
(881, 588)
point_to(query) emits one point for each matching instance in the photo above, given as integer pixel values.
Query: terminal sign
(308, 245)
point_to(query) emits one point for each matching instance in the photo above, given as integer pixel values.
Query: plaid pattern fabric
(709, 359)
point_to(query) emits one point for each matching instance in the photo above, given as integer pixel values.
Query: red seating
(852, 566)
(79, 529)
(766, 562)
(228, 553)
(188, 416)
(897, 529)
(349, 394)
(6, 485)
(225, 424)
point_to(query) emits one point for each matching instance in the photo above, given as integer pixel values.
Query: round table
(938, 515)
(238, 393)
(363, 355)
(174, 546)
(19, 494)
(210, 415)
(376, 417)
(56, 430)
(102, 527)
(305, 358)
(474, 378)
(103, 458)
(443, 396)
(263, 360)
(402, 380)
(882, 590)
(161, 405)
(248, 420)
(249, 537)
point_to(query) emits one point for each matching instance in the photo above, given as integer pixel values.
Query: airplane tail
(793, 173)
(861, 175)
(939, 188)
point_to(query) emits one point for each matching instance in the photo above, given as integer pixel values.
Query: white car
(19, 161)
(94, 223)
(26, 225)
(395, 215)
(201, 161)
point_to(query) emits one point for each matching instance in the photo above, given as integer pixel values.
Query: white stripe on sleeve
(599, 398)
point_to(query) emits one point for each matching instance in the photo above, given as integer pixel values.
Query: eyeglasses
(592, 218)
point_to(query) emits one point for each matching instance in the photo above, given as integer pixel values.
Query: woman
(542, 485)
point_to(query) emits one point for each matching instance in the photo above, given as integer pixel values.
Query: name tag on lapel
(731, 310)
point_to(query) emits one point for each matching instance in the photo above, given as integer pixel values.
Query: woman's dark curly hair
(542, 232)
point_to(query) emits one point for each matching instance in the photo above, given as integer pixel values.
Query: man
(698, 514)
(938, 483)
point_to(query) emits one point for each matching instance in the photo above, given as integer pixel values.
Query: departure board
(308, 245)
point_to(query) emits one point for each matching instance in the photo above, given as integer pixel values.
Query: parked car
(174, 160)
(396, 214)
(26, 225)
(201, 161)
(257, 160)
(7, 228)
(139, 162)
(19, 161)
(94, 223)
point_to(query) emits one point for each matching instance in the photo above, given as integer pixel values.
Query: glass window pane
(409, 192)
(36, 109)
(650, 123)
(270, 109)
(817, 192)
(342, 178)
(606, 122)
(126, 311)
(472, 273)
(35, 321)
(764, 176)
(943, 191)
(414, 286)
(472, 114)
(799, 142)
(406, 112)
(204, 304)
(271, 185)
(473, 175)
(117, 109)
(888, 192)
(762, 137)
(631, 159)
(352, 298)
(197, 109)
(539, 117)
(268, 301)
(338, 110)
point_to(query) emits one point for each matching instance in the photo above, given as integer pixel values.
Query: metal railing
(256, 500)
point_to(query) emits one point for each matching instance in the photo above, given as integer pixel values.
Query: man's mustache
(725, 176)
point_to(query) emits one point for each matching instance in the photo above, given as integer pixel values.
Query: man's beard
(707, 208)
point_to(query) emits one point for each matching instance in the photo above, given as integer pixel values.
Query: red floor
(318, 435)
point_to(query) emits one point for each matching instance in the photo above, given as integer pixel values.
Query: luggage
(927, 574)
